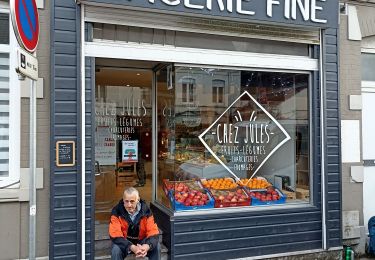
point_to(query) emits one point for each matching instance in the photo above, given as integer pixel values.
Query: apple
(233, 200)
(221, 197)
(239, 191)
(194, 203)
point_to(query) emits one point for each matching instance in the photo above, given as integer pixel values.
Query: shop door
(123, 139)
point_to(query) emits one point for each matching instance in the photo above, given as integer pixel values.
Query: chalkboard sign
(65, 153)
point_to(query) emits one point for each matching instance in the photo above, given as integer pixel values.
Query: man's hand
(142, 250)
(135, 249)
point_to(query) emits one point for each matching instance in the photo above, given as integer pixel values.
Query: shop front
(223, 114)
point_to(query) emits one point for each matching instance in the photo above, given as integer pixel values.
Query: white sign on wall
(105, 146)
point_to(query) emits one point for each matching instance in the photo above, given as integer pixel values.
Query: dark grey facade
(251, 233)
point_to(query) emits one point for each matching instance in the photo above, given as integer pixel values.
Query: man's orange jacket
(124, 232)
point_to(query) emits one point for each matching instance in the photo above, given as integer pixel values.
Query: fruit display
(192, 198)
(180, 186)
(267, 196)
(255, 183)
(230, 198)
(219, 184)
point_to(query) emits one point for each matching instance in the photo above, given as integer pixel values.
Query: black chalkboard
(65, 153)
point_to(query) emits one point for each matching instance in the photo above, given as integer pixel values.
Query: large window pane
(4, 28)
(244, 143)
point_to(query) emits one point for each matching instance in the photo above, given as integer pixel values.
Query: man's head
(131, 199)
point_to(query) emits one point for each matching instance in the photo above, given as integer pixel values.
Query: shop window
(218, 87)
(253, 151)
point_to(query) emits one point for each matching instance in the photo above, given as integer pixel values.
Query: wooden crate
(303, 194)
(289, 195)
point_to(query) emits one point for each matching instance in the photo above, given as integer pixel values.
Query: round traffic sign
(25, 20)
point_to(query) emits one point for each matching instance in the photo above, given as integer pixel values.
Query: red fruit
(241, 200)
(275, 197)
(179, 188)
(200, 203)
(221, 197)
(233, 200)
(185, 195)
(204, 196)
(199, 193)
(188, 200)
(186, 203)
(194, 203)
(239, 191)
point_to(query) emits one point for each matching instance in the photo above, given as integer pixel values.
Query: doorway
(123, 137)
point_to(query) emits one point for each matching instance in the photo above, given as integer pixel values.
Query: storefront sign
(244, 138)
(130, 151)
(65, 153)
(319, 13)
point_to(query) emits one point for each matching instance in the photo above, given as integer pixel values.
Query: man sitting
(132, 228)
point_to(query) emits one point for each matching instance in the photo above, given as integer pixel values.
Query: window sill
(21, 194)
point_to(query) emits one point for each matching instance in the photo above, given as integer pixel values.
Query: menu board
(65, 153)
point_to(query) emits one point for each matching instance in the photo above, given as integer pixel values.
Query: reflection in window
(188, 90)
(4, 28)
(218, 91)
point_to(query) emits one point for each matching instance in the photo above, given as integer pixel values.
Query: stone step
(105, 255)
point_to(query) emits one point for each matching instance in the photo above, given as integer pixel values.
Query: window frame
(216, 91)
(13, 178)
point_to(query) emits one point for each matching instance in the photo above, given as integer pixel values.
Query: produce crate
(259, 202)
(170, 185)
(227, 198)
(208, 183)
(180, 206)
(255, 183)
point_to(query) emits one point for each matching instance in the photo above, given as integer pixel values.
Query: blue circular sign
(25, 20)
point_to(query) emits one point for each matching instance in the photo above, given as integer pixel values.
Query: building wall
(353, 31)
(14, 221)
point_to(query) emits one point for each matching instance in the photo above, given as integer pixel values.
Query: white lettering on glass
(172, 3)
